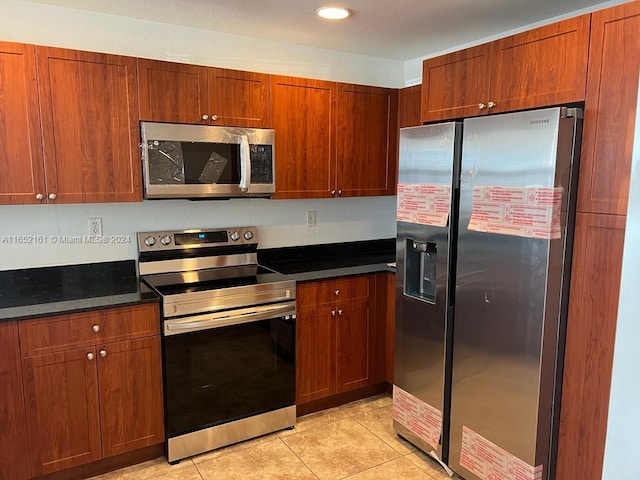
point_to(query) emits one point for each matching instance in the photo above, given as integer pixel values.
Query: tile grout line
(303, 462)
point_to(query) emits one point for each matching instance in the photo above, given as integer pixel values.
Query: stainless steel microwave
(199, 161)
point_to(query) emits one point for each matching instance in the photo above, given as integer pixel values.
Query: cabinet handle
(337, 292)
(52, 196)
(333, 193)
(96, 328)
(103, 353)
(491, 105)
(39, 196)
(90, 356)
(481, 106)
(214, 117)
(205, 117)
(333, 313)
(339, 192)
(340, 312)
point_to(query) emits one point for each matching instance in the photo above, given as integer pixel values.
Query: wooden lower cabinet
(96, 400)
(14, 455)
(340, 337)
(591, 327)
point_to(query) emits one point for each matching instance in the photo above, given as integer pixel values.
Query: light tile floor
(355, 441)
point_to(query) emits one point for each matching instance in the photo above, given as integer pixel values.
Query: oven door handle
(224, 319)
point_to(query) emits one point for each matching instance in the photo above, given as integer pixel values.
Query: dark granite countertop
(36, 292)
(315, 262)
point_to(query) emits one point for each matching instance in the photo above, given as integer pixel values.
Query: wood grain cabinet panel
(367, 140)
(340, 337)
(14, 453)
(303, 114)
(87, 395)
(22, 176)
(591, 326)
(609, 116)
(541, 67)
(183, 93)
(409, 103)
(90, 128)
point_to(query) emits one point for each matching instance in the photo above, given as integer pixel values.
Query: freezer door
(429, 156)
(515, 192)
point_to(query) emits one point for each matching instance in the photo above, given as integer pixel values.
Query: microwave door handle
(245, 163)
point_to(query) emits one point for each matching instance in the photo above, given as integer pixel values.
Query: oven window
(193, 163)
(224, 374)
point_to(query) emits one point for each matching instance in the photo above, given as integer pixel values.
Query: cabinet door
(239, 99)
(20, 139)
(14, 453)
(367, 140)
(409, 106)
(544, 66)
(173, 92)
(315, 354)
(591, 327)
(455, 85)
(130, 379)
(61, 396)
(353, 352)
(390, 320)
(610, 110)
(302, 115)
(90, 128)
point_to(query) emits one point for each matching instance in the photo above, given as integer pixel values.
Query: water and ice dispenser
(420, 270)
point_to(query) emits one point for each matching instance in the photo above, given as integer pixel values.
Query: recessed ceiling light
(333, 13)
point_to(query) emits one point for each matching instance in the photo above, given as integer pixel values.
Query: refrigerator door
(427, 172)
(514, 238)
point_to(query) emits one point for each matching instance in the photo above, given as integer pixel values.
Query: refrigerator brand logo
(539, 122)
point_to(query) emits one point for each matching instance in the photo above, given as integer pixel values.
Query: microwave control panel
(261, 163)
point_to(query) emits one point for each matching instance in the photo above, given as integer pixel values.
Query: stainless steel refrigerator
(485, 221)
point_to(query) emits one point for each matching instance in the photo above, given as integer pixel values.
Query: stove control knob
(235, 236)
(149, 241)
(248, 235)
(165, 240)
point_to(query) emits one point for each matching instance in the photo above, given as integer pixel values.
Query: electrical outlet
(95, 226)
(311, 218)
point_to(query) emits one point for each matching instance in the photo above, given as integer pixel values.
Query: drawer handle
(340, 312)
(337, 292)
(90, 356)
(103, 353)
(96, 328)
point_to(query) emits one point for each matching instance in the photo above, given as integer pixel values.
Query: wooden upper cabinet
(409, 100)
(367, 140)
(182, 93)
(544, 66)
(456, 85)
(540, 67)
(591, 331)
(303, 113)
(14, 453)
(90, 129)
(610, 110)
(172, 92)
(22, 178)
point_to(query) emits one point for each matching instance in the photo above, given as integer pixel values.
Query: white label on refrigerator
(532, 212)
(426, 204)
(417, 416)
(490, 462)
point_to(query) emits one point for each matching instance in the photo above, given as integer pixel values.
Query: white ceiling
(392, 29)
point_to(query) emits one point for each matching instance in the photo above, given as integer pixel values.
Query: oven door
(197, 161)
(228, 366)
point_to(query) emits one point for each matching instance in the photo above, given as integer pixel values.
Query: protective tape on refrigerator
(418, 417)
(490, 462)
(424, 204)
(532, 212)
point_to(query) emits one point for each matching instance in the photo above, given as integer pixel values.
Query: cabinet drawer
(64, 332)
(312, 294)
(351, 288)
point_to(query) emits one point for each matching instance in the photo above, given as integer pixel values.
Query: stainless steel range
(228, 337)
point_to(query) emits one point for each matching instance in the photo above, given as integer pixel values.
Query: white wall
(280, 222)
(621, 459)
